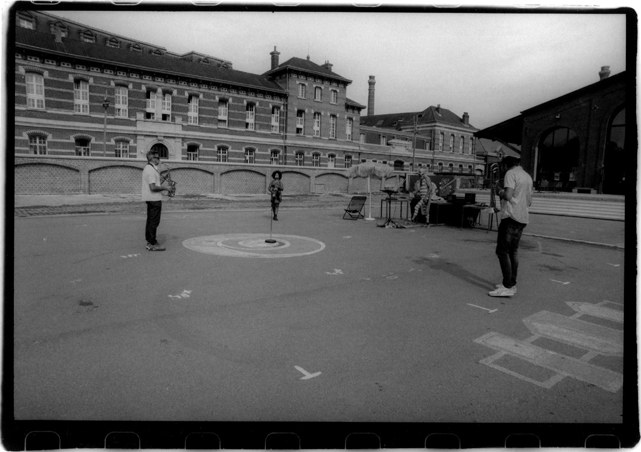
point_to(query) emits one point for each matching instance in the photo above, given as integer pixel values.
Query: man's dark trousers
(153, 220)
(507, 247)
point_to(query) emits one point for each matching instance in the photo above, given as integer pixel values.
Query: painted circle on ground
(254, 245)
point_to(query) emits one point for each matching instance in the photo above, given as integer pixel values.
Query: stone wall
(36, 174)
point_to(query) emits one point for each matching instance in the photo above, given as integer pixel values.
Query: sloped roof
(510, 131)
(489, 147)
(430, 115)
(306, 66)
(142, 61)
(613, 79)
(352, 103)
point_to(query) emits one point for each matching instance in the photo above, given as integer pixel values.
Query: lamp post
(105, 105)
(414, 145)
(414, 141)
(433, 150)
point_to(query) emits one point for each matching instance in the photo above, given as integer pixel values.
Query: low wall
(102, 175)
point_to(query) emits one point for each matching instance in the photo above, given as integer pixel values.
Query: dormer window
(113, 43)
(87, 36)
(135, 48)
(156, 52)
(63, 29)
(26, 21)
(204, 61)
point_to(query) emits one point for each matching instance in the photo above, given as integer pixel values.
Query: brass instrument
(171, 189)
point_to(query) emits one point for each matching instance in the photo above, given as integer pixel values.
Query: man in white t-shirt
(516, 198)
(151, 194)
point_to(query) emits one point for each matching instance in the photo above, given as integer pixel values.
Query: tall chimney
(328, 65)
(604, 73)
(466, 119)
(370, 97)
(274, 55)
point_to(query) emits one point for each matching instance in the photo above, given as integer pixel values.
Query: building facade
(88, 95)
(577, 142)
(437, 139)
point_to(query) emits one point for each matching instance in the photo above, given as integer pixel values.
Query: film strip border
(271, 436)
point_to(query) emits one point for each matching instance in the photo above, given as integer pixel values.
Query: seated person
(423, 190)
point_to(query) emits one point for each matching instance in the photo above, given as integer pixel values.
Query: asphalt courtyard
(336, 321)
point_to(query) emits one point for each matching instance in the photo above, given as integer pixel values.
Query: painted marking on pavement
(563, 365)
(480, 307)
(184, 294)
(254, 245)
(75, 281)
(130, 255)
(576, 332)
(306, 374)
(596, 311)
(347, 237)
(337, 271)
(435, 256)
(560, 281)
(614, 265)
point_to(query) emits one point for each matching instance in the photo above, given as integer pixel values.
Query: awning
(506, 132)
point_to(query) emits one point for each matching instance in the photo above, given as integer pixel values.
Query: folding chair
(354, 208)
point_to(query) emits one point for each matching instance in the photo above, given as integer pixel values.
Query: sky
(492, 66)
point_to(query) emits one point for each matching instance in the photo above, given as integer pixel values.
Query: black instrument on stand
(494, 180)
(390, 223)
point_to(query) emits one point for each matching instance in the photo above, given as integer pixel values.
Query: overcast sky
(492, 66)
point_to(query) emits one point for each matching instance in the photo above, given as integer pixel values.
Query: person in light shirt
(152, 195)
(516, 199)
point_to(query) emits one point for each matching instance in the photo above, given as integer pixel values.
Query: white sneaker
(501, 292)
(513, 288)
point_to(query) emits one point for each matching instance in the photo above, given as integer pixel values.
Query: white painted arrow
(307, 374)
(480, 307)
(560, 281)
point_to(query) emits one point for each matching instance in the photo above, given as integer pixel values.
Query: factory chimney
(274, 55)
(370, 97)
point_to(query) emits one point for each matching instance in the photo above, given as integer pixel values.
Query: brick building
(435, 139)
(578, 141)
(90, 104)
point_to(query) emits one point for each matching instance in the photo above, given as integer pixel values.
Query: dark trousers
(507, 248)
(153, 220)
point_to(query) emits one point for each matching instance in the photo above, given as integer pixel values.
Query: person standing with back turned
(151, 194)
(516, 199)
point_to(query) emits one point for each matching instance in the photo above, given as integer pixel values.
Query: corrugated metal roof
(142, 61)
